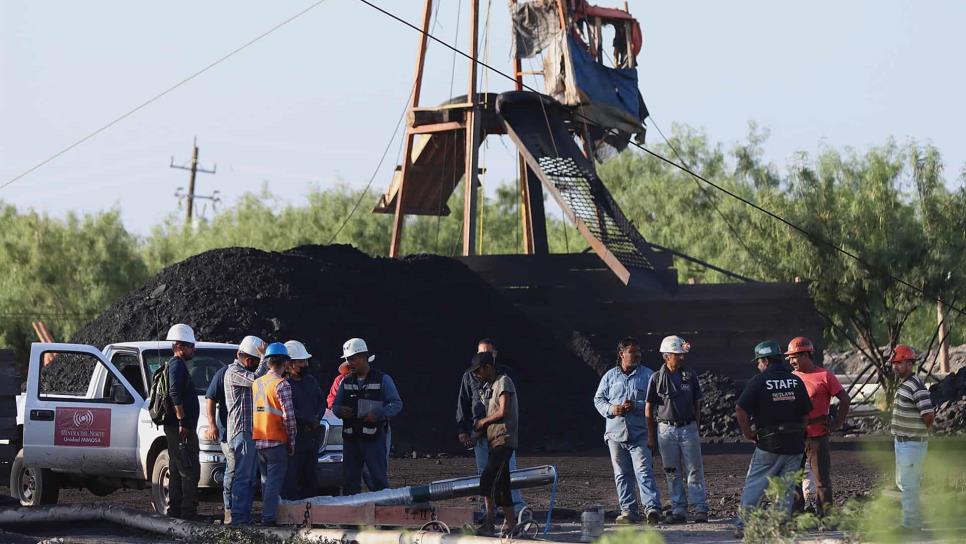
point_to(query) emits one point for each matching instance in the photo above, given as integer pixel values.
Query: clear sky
(315, 103)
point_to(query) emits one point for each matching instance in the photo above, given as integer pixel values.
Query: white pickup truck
(84, 423)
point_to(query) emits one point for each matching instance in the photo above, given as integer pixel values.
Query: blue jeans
(632, 461)
(242, 485)
(910, 457)
(481, 451)
(765, 465)
(229, 474)
(370, 484)
(680, 449)
(273, 462)
(358, 453)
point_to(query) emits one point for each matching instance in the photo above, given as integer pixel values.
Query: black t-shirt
(776, 398)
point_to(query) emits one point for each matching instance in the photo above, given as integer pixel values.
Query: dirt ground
(585, 479)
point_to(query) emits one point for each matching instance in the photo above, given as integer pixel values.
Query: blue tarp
(615, 88)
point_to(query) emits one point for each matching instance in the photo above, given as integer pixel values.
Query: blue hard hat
(276, 348)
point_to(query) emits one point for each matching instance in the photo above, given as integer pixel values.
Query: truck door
(81, 414)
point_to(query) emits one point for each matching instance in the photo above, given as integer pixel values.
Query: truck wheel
(32, 486)
(159, 483)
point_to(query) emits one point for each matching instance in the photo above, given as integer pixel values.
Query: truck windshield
(204, 365)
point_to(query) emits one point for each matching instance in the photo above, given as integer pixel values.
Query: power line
(814, 238)
(159, 95)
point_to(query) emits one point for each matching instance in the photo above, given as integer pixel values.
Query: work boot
(626, 519)
(678, 518)
(227, 517)
(653, 517)
(701, 517)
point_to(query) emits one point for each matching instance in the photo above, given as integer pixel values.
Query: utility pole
(191, 196)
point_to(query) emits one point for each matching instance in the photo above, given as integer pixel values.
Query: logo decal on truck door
(85, 427)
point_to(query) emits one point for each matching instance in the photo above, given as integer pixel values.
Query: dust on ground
(585, 479)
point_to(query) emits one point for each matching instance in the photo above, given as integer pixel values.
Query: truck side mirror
(120, 395)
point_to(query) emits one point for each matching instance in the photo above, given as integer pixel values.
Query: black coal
(421, 317)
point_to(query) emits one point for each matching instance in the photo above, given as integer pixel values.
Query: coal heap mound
(421, 316)
(949, 398)
(720, 395)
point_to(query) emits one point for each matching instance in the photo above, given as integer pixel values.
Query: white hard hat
(674, 344)
(355, 345)
(251, 345)
(181, 333)
(296, 350)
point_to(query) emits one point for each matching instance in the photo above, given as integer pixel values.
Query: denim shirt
(616, 387)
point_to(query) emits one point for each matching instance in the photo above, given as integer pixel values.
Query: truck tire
(32, 486)
(159, 483)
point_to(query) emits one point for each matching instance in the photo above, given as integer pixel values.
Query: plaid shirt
(238, 399)
(284, 392)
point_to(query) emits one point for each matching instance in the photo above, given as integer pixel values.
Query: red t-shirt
(821, 385)
(334, 390)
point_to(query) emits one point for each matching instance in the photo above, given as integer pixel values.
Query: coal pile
(421, 316)
(949, 389)
(949, 398)
(720, 395)
(871, 424)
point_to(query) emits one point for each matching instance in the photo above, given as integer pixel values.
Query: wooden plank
(437, 127)
(369, 514)
(395, 243)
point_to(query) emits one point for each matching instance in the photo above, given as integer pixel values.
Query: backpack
(158, 398)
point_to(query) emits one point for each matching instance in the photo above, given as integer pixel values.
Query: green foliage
(771, 522)
(63, 271)
(891, 205)
(632, 536)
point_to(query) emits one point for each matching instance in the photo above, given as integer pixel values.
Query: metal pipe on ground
(159, 524)
(434, 491)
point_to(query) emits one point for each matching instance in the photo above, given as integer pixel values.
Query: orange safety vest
(267, 421)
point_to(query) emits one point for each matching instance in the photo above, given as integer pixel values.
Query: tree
(64, 271)
(890, 208)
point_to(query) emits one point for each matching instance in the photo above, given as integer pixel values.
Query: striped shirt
(911, 403)
(284, 391)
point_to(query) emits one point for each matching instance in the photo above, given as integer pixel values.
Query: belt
(676, 423)
(911, 438)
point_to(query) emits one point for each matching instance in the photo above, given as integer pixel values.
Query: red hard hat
(903, 353)
(800, 344)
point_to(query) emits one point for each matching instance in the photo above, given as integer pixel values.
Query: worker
(274, 427)
(181, 427)
(470, 408)
(779, 404)
(343, 372)
(673, 419)
(500, 429)
(912, 417)
(238, 399)
(620, 400)
(216, 405)
(822, 386)
(367, 399)
(309, 404)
